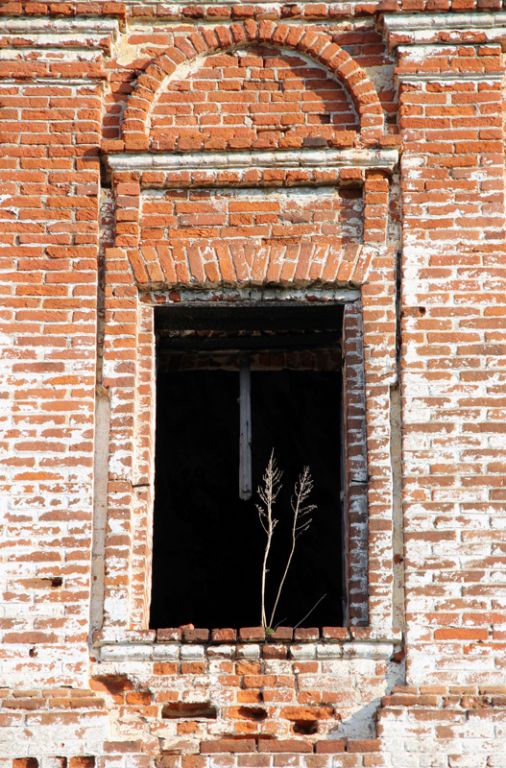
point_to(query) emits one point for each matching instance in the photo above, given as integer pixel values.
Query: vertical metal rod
(245, 471)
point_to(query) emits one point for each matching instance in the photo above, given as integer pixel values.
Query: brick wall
(50, 184)
(155, 153)
(250, 100)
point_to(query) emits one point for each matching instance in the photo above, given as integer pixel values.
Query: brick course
(161, 152)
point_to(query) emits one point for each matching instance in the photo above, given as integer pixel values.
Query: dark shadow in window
(208, 543)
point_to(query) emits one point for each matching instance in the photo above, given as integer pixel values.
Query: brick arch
(316, 45)
(302, 264)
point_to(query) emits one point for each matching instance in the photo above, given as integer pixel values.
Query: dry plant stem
(264, 576)
(300, 523)
(268, 492)
(308, 614)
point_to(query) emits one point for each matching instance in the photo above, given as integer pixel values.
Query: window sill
(248, 643)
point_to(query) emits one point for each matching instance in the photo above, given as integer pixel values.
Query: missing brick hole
(57, 581)
(290, 9)
(114, 684)
(179, 709)
(306, 727)
(253, 713)
(105, 174)
(32, 652)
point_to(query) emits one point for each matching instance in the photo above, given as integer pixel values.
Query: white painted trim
(429, 36)
(71, 36)
(42, 81)
(450, 77)
(344, 8)
(423, 28)
(70, 53)
(409, 22)
(320, 158)
(101, 468)
(30, 25)
(375, 648)
(267, 295)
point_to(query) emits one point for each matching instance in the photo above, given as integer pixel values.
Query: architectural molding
(449, 77)
(75, 36)
(266, 295)
(444, 28)
(380, 159)
(43, 82)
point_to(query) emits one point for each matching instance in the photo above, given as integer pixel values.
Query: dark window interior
(208, 542)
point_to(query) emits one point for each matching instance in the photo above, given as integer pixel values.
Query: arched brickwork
(301, 265)
(317, 45)
(252, 98)
(270, 237)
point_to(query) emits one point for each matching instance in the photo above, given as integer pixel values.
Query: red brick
(228, 745)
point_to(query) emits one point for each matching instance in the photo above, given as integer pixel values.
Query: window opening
(233, 383)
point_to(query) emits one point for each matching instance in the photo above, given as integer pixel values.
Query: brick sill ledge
(244, 635)
(114, 644)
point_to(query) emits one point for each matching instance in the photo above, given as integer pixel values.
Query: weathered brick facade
(155, 153)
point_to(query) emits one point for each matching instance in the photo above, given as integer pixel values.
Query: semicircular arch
(316, 45)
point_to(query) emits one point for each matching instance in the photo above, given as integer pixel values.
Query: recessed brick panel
(255, 98)
(256, 235)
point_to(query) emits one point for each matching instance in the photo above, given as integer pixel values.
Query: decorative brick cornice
(448, 77)
(28, 45)
(30, 9)
(441, 28)
(379, 159)
(88, 33)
